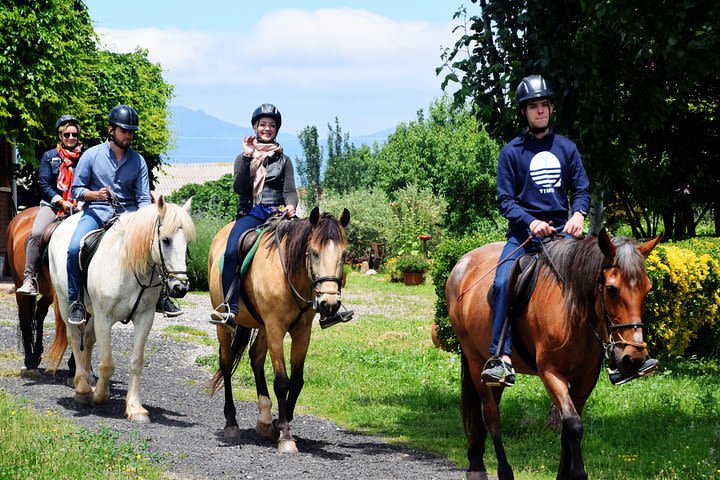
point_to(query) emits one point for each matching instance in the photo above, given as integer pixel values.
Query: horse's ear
(161, 205)
(606, 245)
(647, 247)
(315, 216)
(345, 218)
(188, 203)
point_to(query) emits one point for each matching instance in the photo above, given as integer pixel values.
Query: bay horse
(141, 253)
(588, 301)
(31, 309)
(296, 272)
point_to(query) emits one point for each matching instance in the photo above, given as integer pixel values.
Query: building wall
(5, 202)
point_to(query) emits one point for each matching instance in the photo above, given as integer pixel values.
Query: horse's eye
(612, 290)
(166, 241)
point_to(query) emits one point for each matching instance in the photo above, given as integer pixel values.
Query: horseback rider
(55, 175)
(264, 179)
(536, 173)
(110, 166)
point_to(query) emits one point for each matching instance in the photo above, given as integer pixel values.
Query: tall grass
(380, 374)
(46, 446)
(197, 264)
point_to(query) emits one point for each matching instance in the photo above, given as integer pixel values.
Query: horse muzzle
(177, 287)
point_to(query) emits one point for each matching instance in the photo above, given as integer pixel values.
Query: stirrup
(224, 318)
(497, 373)
(84, 314)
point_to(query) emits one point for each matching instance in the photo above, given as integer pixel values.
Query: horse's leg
(77, 335)
(258, 354)
(281, 386)
(298, 351)
(106, 367)
(481, 421)
(41, 310)
(571, 462)
(227, 359)
(26, 307)
(133, 407)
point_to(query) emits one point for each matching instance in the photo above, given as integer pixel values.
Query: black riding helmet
(64, 119)
(125, 117)
(531, 87)
(267, 110)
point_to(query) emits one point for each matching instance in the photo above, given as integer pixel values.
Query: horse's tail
(241, 339)
(59, 344)
(471, 403)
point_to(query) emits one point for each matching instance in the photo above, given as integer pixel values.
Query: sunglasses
(70, 134)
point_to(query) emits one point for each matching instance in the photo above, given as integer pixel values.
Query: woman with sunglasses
(55, 176)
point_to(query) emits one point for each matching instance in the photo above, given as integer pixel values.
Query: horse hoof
(476, 475)
(287, 446)
(29, 372)
(138, 417)
(231, 433)
(267, 430)
(83, 398)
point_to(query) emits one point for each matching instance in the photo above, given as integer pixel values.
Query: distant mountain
(202, 138)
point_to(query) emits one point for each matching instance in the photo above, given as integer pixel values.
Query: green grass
(380, 374)
(46, 446)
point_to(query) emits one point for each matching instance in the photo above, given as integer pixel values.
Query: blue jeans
(252, 219)
(499, 299)
(88, 222)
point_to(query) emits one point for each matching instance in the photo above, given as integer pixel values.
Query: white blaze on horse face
(174, 250)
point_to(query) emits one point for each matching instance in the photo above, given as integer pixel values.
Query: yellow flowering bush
(682, 307)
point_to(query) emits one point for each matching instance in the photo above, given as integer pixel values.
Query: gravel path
(187, 422)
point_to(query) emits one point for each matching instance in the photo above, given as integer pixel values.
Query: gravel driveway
(187, 422)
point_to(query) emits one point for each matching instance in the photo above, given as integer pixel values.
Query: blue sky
(371, 64)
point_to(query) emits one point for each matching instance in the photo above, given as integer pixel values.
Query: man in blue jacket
(537, 172)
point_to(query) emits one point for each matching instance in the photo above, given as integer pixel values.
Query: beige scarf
(263, 152)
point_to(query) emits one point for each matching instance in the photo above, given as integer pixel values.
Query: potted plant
(413, 268)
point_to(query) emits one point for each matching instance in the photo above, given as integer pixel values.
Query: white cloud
(338, 53)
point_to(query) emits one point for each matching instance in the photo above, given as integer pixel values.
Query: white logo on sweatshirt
(545, 171)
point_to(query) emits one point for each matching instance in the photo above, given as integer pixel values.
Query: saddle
(521, 282)
(88, 246)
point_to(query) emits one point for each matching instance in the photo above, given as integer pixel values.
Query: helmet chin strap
(536, 130)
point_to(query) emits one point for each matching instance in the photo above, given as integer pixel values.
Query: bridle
(164, 274)
(304, 303)
(612, 328)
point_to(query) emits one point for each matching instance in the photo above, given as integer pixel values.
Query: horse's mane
(297, 232)
(139, 228)
(579, 264)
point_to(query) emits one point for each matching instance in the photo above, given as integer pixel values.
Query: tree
(45, 46)
(346, 164)
(310, 164)
(626, 77)
(50, 65)
(448, 154)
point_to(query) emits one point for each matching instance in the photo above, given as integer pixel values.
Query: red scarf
(66, 175)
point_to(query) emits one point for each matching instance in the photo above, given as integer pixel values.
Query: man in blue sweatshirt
(538, 172)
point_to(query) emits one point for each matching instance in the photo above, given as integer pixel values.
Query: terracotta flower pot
(413, 278)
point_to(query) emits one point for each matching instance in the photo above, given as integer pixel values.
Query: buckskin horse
(296, 272)
(31, 309)
(141, 253)
(588, 301)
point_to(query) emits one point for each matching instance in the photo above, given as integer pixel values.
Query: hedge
(681, 310)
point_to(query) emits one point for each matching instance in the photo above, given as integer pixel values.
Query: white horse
(139, 253)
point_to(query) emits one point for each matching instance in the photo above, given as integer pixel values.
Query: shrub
(445, 257)
(370, 217)
(206, 227)
(211, 199)
(412, 263)
(682, 307)
(417, 211)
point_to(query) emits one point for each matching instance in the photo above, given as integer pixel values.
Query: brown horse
(31, 309)
(298, 259)
(588, 300)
